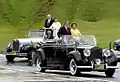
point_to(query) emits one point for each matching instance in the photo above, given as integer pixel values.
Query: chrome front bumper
(93, 67)
(17, 54)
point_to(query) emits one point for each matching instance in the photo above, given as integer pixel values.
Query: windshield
(36, 34)
(84, 40)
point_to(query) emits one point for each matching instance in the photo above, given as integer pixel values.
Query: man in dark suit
(49, 21)
(65, 30)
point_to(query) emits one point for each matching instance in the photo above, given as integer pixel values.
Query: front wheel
(10, 58)
(30, 57)
(110, 72)
(39, 64)
(73, 67)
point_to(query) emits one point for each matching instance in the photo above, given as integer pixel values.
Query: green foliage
(97, 17)
(17, 11)
(91, 10)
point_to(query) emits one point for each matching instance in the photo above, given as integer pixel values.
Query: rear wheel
(10, 58)
(110, 72)
(30, 57)
(73, 67)
(39, 63)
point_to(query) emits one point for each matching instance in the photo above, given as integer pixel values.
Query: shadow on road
(88, 75)
(23, 62)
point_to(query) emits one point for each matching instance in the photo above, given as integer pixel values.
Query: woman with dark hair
(74, 30)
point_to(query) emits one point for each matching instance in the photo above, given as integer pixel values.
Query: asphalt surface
(20, 72)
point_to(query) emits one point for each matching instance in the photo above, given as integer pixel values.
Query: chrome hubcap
(38, 64)
(73, 67)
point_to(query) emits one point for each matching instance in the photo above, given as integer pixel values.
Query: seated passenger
(55, 26)
(74, 30)
(49, 34)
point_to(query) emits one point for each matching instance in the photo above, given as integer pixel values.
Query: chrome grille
(96, 53)
(16, 46)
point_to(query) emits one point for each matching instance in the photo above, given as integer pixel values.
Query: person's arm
(45, 23)
(79, 33)
(52, 26)
(70, 32)
(59, 24)
(59, 32)
(51, 22)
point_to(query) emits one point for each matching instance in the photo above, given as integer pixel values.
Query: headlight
(106, 52)
(87, 52)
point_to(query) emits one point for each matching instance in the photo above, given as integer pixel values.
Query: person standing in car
(74, 30)
(55, 26)
(64, 30)
(49, 21)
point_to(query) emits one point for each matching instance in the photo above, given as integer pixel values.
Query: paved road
(20, 72)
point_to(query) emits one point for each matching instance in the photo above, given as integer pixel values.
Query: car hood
(29, 40)
(86, 47)
(117, 41)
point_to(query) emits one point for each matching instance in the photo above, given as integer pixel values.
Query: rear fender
(42, 53)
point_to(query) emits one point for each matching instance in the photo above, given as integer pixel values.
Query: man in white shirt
(55, 26)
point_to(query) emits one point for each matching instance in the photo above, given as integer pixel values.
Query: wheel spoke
(38, 63)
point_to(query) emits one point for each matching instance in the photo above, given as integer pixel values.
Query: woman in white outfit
(55, 26)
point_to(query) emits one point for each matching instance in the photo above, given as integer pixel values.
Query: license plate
(13, 53)
(22, 54)
(99, 67)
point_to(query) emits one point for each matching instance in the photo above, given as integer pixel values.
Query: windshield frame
(83, 40)
(38, 32)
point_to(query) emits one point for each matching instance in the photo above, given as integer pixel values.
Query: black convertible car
(75, 54)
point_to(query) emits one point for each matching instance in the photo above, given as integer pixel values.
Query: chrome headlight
(87, 52)
(106, 52)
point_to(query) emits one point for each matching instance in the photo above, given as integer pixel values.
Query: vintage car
(23, 47)
(75, 54)
(116, 48)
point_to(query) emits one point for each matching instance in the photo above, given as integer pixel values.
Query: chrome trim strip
(107, 67)
(112, 67)
(84, 67)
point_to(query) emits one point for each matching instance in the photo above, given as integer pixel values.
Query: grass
(104, 13)
(104, 31)
(7, 35)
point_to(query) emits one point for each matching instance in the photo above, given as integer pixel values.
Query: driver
(49, 34)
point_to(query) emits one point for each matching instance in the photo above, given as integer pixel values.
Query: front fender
(42, 53)
(112, 60)
(76, 54)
